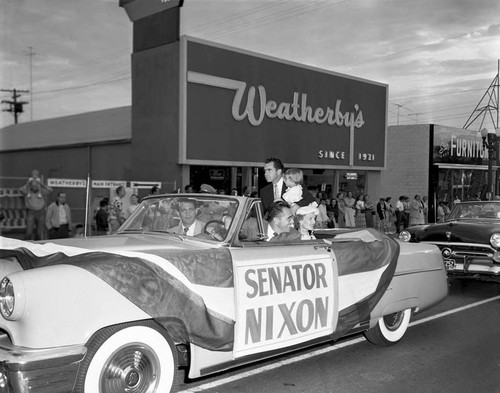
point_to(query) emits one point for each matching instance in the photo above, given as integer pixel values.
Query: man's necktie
(186, 230)
(276, 192)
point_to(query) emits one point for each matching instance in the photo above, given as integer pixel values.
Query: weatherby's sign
(256, 108)
(240, 108)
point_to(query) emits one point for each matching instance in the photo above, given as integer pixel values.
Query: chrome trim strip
(14, 355)
(473, 268)
(460, 244)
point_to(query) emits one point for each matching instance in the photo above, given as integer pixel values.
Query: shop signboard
(239, 108)
(458, 146)
(108, 183)
(67, 183)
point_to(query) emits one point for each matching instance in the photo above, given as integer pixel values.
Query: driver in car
(189, 224)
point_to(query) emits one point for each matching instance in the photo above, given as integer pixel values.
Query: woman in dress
(332, 209)
(369, 212)
(360, 219)
(341, 210)
(349, 202)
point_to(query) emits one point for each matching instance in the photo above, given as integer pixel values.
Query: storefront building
(207, 113)
(443, 163)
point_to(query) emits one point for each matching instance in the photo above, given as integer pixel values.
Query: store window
(460, 184)
(354, 181)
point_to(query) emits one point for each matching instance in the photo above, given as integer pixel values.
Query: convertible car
(135, 311)
(469, 240)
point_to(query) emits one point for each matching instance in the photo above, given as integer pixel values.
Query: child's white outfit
(293, 194)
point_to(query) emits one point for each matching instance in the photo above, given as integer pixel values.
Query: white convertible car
(127, 312)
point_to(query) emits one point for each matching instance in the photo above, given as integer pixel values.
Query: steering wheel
(217, 233)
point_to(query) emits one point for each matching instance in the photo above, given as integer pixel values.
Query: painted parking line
(281, 363)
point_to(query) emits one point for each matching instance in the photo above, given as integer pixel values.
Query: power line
(84, 86)
(434, 95)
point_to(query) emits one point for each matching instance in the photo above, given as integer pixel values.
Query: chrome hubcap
(133, 369)
(393, 321)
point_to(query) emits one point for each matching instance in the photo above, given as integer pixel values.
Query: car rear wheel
(132, 358)
(390, 328)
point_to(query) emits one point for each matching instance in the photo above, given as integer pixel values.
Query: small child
(36, 180)
(293, 180)
(79, 230)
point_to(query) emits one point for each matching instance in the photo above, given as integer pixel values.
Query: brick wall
(407, 163)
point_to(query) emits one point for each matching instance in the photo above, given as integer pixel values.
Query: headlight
(495, 240)
(404, 236)
(7, 298)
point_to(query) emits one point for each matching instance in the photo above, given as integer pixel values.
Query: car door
(285, 294)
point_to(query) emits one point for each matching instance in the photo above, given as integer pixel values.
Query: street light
(490, 141)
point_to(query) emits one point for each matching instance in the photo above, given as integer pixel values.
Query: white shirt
(63, 220)
(190, 229)
(270, 233)
(293, 194)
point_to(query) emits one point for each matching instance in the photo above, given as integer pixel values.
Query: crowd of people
(344, 210)
(307, 210)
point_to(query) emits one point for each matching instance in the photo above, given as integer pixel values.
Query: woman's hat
(311, 208)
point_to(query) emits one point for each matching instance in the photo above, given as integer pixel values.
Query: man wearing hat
(207, 189)
(189, 224)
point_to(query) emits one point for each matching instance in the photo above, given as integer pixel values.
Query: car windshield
(464, 211)
(187, 215)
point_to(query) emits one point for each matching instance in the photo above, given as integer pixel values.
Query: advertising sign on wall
(457, 146)
(240, 107)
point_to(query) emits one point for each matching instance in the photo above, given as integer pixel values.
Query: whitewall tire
(389, 329)
(132, 358)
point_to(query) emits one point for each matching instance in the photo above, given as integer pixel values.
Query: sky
(438, 57)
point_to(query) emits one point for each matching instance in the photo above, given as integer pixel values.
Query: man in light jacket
(58, 218)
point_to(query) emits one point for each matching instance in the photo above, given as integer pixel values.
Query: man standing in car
(273, 172)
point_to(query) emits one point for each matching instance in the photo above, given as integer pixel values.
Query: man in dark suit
(273, 172)
(278, 226)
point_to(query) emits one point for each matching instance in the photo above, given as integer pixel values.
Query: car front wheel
(132, 358)
(390, 328)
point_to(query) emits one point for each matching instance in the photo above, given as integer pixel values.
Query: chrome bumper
(469, 259)
(24, 370)
(489, 269)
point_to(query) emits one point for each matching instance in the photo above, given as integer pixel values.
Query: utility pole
(15, 106)
(414, 114)
(31, 54)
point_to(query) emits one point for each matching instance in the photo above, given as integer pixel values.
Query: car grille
(466, 249)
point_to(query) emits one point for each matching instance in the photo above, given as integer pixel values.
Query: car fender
(57, 315)
(419, 282)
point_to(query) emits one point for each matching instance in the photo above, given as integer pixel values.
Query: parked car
(469, 239)
(126, 312)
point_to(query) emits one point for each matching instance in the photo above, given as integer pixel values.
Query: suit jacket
(284, 236)
(267, 195)
(307, 198)
(198, 228)
(287, 236)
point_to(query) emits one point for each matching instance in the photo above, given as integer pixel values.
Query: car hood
(470, 231)
(140, 242)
